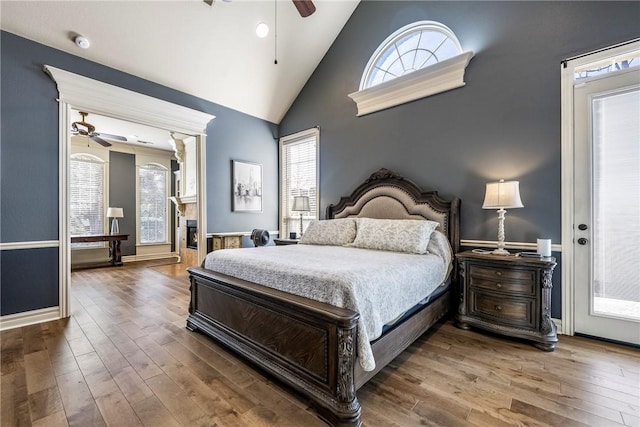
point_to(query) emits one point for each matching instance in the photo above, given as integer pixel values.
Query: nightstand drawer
(510, 312)
(497, 273)
(520, 282)
(510, 286)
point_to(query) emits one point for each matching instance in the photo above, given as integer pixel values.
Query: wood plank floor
(124, 358)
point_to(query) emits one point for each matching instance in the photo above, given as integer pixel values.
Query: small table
(508, 295)
(114, 244)
(282, 242)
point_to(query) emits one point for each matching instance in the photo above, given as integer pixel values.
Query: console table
(114, 244)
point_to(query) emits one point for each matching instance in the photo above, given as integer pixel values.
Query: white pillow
(398, 235)
(335, 232)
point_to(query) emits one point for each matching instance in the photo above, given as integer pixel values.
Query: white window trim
(567, 73)
(79, 92)
(79, 146)
(315, 132)
(431, 80)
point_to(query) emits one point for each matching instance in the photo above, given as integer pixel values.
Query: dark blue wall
(29, 160)
(122, 194)
(505, 123)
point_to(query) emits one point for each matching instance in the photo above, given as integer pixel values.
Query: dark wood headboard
(385, 194)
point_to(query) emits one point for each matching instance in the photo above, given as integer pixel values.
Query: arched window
(153, 203)
(418, 60)
(413, 47)
(87, 197)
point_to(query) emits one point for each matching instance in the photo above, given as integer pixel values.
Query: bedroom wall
(505, 123)
(29, 165)
(122, 194)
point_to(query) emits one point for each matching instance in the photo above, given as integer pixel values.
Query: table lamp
(115, 213)
(502, 195)
(301, 204)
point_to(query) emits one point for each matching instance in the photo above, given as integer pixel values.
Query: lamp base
(115, 229)
(500, 251)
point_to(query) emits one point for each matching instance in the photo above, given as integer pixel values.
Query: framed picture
(246, 186)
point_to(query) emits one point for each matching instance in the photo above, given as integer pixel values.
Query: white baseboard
(149, 257)
(558, 323)
(27, 318)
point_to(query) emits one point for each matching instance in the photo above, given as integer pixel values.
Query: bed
(314, 346)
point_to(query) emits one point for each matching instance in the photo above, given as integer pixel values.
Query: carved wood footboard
(309, 345)
(306, 344)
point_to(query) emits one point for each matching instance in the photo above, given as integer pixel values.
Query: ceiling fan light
(262, 30)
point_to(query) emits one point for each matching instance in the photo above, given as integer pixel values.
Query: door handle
(582, 241)
(583, 227)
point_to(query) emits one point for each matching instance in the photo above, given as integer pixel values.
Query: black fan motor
(259, 237)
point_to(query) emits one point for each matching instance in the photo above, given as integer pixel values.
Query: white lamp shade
(115, 213)
(301, 204)
(502, 195)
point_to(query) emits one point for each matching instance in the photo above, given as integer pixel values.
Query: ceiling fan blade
(305, 7)
(111, 136)
(100, 141)
(209, 2)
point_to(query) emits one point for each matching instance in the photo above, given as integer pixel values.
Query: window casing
(419, 60)
(152, 197)
(87, 201)
(411, 48)
(299, 166)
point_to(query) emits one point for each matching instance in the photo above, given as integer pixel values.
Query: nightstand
(226, 241)
(282, 242)
(508, 295)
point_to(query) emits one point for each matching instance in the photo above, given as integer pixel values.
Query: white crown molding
(124, 104)
(437, 78)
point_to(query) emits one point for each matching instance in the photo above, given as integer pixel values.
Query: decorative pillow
(336, 232)
(398, 235)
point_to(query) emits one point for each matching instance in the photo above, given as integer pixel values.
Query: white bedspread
(379, 285)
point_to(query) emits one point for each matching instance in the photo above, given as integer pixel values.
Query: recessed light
(262, 30)
(82, 42)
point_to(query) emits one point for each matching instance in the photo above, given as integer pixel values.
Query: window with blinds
(299, 177)
(153, 203)
(87, 197)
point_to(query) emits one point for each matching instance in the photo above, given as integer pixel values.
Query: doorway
(83, 93)
(605, 221)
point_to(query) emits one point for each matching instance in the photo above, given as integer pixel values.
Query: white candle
(544, 247)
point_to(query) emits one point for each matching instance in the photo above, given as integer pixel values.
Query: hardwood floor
(124, 358)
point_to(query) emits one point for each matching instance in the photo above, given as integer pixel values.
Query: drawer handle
(498, 285)
(498, 273)
(498, 308)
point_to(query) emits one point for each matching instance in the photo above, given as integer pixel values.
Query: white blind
(153, 203)
(87, 197)
(299, 177)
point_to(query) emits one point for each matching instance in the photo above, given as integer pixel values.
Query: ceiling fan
(87, 129)
(305, 7)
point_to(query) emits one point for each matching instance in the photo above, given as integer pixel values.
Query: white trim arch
(79, 92)
(427, 74)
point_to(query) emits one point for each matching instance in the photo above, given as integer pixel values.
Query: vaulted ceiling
(211, 52)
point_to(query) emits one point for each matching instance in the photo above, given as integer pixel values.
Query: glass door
(607, 205)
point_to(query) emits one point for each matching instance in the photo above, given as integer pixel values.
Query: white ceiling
(211, 52)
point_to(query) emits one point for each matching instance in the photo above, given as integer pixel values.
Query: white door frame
(568, 68)
(93, 96)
